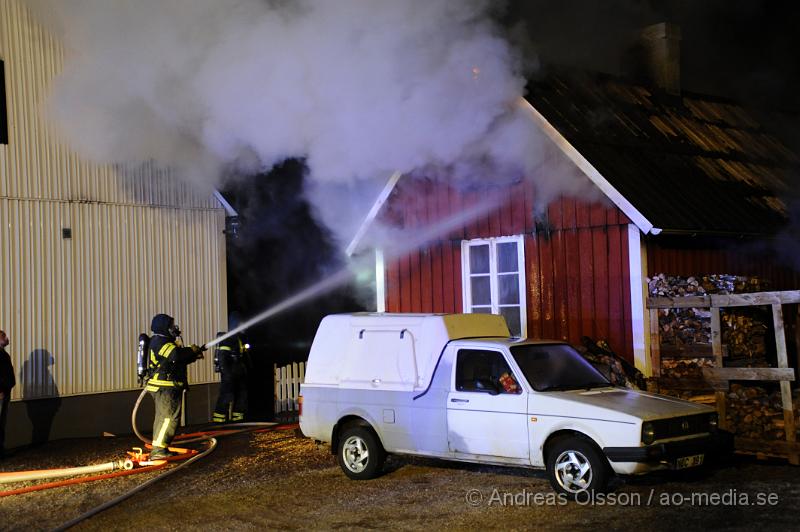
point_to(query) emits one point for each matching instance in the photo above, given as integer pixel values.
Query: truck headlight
(713, 421)
(648, 433)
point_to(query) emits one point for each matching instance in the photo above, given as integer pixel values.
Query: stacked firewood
(703, 397)
(683, 326)
(685, 368)
(618, 370)
(752, 411)
(743, 329)
(756, 413)
(675, 286)
(744, 332)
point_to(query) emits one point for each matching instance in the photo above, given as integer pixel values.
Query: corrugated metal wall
(74, 307)
(35, 164)
(576, 261)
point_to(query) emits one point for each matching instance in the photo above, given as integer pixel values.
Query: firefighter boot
(160, 453)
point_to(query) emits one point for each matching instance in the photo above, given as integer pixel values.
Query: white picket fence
(287, 386)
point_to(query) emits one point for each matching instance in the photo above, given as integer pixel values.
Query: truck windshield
(556, 367)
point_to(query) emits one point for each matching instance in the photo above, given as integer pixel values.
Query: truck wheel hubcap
(355, 454)
(573, 471)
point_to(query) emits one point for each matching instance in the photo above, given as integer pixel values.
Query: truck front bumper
(716, 445)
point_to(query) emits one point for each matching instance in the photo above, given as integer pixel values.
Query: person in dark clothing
(168, 380)
(231, 361)
(7, 382)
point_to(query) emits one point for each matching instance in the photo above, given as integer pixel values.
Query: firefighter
(167, 380)
(7, 382)
(232, 361)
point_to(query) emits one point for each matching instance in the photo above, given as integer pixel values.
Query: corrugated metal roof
(688, 163)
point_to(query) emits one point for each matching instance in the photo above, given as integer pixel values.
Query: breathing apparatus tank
(141, 357)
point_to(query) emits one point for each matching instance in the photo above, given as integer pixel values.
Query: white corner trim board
(373, 212)
(639, 316)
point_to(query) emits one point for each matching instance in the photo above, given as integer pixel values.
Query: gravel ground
(277, 480)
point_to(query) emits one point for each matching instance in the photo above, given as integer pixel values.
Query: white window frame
(466, 286)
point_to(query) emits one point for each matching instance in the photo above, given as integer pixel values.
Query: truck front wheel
(360, 453)
(574, 465)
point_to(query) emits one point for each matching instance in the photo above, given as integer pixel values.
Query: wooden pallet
(764, 449)
(719, 377)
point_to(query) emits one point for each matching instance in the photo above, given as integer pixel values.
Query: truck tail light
(299, 405)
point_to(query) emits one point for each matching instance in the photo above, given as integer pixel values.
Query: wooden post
(295, 386)
(287, 387)
(786, 390)
(655, 343)
(275, 389)
(716, 346)
(797, 335)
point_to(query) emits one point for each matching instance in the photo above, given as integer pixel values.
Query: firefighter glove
(197, 350)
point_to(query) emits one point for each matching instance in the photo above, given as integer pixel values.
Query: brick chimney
(655, 58)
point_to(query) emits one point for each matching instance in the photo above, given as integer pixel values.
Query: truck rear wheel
(360, 454)
(575, 465)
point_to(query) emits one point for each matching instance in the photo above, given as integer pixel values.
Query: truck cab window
(484, 371)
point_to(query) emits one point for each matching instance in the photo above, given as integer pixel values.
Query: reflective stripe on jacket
(167, 371)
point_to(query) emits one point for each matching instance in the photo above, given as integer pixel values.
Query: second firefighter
(231, 360)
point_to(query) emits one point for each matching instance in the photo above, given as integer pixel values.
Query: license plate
(689, 461)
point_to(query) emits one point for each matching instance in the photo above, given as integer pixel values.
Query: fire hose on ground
(186, 438)
(126, 467)
(113, 502)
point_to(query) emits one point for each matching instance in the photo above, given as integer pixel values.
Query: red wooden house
(691, 185)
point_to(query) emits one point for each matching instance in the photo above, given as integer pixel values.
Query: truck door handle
(454, 400)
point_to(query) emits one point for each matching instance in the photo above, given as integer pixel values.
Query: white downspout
(380, 281)
(229, 210)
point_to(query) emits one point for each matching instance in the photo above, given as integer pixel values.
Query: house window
(494, 279)
(3, 113)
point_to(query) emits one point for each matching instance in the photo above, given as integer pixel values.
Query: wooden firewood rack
(719, 377)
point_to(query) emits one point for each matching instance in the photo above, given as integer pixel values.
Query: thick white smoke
(359, 88)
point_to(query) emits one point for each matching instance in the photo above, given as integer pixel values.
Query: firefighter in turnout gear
(167, 380)
(232, 361)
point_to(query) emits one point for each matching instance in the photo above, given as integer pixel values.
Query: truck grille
(681, 426)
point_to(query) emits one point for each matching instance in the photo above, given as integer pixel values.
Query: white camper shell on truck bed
(459, 387)
(395, 352)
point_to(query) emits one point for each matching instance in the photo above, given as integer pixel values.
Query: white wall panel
(85, 300)
(141, 244)
(36, 164)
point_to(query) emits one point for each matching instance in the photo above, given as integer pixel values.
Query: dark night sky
(742, 49)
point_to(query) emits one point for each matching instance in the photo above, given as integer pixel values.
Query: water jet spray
(341, 276)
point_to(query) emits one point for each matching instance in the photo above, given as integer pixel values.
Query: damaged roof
(688, 163)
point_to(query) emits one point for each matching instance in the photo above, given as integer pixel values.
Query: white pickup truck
(458, 387)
